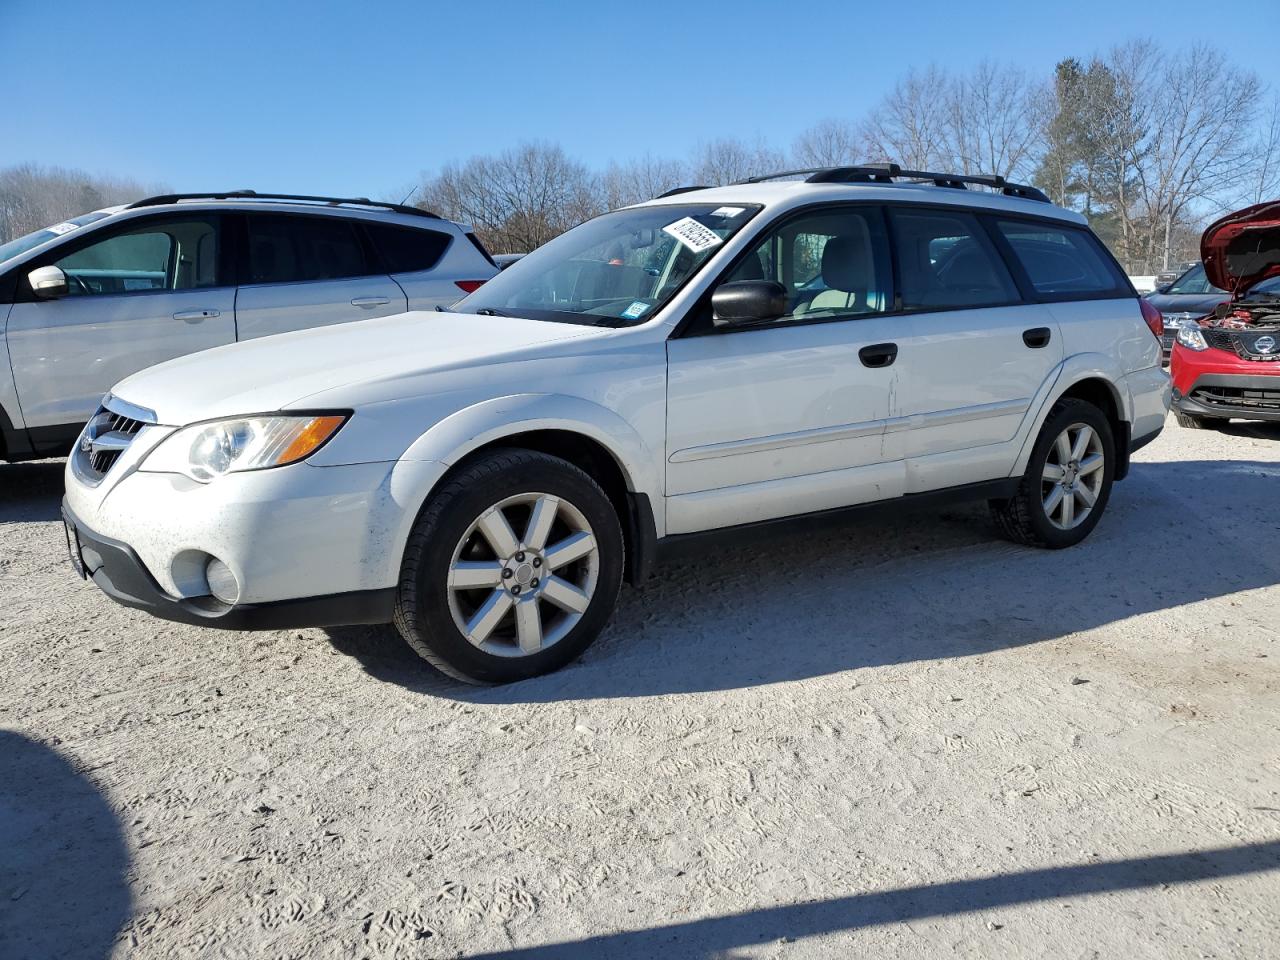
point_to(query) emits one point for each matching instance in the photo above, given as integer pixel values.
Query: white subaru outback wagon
(486, 478)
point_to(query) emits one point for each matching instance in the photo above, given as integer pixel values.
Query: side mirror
(744, 302)
(48, 283)
(1163, 288)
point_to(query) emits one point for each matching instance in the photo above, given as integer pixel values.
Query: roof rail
(678, 190)
(889, 172)
(166, 198)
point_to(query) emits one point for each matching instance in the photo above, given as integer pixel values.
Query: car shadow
(897, 587)
(31, 491)
(720, 936)
(63, 861)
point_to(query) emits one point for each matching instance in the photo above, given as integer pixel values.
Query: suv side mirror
(1163, 288)
(48, 283)
(744, 302)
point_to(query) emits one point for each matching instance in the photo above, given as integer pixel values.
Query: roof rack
(679, 190)
(166, 198)
(889, 172)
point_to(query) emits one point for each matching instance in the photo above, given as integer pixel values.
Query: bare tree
(1264, 157)
(829, 143)
(994, 121)
(518, 199)
(728, 160)
(640, 180)
(910, 125)
(33, 197)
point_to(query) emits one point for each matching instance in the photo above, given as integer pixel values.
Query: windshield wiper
(490, 312)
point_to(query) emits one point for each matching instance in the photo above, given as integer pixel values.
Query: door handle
(369, 302)
(195, 316)
(1037, 337)
(878, 354)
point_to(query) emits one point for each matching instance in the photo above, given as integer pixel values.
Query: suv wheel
(512, 569)
(1068, 480)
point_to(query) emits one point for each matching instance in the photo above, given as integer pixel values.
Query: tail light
(1153, 317)
(471, 286)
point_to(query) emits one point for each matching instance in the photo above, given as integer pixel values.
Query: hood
(276, 373)
(1243, 248)
(1197, 303)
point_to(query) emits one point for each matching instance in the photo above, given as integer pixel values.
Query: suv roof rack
(165, 198)
(889, 172)
(678, 190)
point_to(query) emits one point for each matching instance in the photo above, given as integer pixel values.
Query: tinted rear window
(946, 260)
(1062, 260)
(289, 249)
(406, 249)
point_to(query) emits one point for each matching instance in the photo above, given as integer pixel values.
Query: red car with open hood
(1228, 365)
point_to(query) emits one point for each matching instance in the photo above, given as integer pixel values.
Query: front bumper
(1216, 383)
(118, 571)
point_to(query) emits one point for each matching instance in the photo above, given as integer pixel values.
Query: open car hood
(1243, 248)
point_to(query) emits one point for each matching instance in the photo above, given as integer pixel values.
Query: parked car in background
(90, 301)
(705, 360)
(1227, 365)
(1184, 300)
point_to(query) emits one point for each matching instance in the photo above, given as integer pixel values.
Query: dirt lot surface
(903, 738)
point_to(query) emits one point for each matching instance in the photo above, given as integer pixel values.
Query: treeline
(33, 197)
(1149, 144)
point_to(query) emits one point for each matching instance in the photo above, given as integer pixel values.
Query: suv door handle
(1037, 337)
(368, 302)
(195, 316)
(878, 354)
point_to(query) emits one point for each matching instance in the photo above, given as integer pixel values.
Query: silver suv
(89, 301)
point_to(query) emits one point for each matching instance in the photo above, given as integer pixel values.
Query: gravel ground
(903, 738)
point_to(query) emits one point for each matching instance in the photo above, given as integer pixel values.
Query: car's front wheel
(1067, 482)
(512, 569)
(1191, 422)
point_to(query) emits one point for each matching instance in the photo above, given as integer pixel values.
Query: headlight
(205, 451)
(1172, 321)
(1192, 337)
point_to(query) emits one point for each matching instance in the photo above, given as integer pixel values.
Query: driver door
(138, 293)
(789, 417)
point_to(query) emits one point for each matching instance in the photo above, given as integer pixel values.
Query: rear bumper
(118, 571)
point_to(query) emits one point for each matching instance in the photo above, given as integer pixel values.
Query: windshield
(1269, 286)
(1193, 281)
(23, 244)
(617, 269)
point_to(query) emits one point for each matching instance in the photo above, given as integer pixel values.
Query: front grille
(106, 437)
(1238, 397)
(1246, 344)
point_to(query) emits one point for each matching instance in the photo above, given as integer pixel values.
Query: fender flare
(1072, 370)
(444, 444)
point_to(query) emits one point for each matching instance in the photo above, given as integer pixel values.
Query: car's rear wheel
(512, 569)
(1067, 482)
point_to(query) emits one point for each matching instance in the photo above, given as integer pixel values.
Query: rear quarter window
(1063, 262)
(407, 249)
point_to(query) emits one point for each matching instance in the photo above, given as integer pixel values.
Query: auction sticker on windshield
(61, 228)
(693, 235)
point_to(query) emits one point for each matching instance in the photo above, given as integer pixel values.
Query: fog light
(222, 582)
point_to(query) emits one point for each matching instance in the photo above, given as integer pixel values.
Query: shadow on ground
(895, 588)
(63, 862)
(31, 491)
(718, 936)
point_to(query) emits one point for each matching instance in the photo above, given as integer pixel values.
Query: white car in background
(710, 359)
(87, 302)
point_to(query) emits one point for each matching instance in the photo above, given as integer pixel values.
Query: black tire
(422, 611)
(1191, 422)
(1022, 517)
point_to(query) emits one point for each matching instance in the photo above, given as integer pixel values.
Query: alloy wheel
(1072, 477)
(515, 594)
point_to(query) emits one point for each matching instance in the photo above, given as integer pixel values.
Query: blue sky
(360, 98)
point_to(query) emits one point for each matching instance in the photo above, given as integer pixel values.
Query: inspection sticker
(693, 234)
(727, 212)
(61, 228)
(637, 307)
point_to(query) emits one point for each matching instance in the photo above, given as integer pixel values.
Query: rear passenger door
(308, 270)
(973, 354)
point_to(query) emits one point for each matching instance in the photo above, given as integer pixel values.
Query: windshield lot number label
(693, 234)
